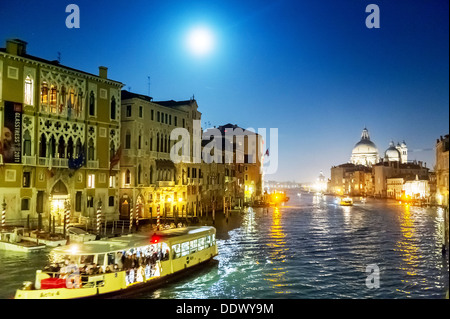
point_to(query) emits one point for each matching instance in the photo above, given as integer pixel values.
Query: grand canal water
(310, 248)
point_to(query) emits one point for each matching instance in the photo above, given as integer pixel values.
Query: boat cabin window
(176, 251)
(87, 259)
(111, 259)
(101, 259)
(185, 248)
(193, 245)
(201, 244)
(208, 241)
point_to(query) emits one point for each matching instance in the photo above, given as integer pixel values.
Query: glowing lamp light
(155, 239)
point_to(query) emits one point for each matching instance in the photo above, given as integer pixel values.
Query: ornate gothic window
(113, 108)
(92, 104)
(44, 95)
(28, 91)
(27, 143)
(53, 100)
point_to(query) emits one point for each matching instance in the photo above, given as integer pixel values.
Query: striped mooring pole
(99, 216)
(137, 213)
(3, 213)
(67, 216)
(131, 218)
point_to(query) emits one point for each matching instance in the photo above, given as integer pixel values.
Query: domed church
(397, 153)
(365, 151)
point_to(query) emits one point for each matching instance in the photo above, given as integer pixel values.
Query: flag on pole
(115, 159)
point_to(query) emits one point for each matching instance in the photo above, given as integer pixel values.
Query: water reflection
(277, 253)
(406, 244)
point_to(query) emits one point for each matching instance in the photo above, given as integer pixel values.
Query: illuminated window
(127, 177)
(91, 180)
(62, 97)
(53, 100)
(112, 181)
(28, 91)
(44, 93)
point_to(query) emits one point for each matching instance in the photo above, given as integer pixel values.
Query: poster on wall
(11, 138)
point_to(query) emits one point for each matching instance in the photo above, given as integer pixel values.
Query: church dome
(365, 151)
(392, 154)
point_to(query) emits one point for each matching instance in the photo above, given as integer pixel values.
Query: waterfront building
(243, 179)
(385, 170)
(441, 170)
(60, 127)
(351, 179)
(149, 179)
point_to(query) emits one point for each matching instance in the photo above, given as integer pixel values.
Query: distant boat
(347, 201)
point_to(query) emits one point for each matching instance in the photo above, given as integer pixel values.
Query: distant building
(394, 169)
(351, 179)
(368, 174)
(442, 169)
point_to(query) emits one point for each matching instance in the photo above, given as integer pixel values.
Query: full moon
(200, 41)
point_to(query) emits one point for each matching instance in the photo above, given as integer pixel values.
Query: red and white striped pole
(99, 216)
(4, 213)
(67, 206)
(158, 217)
(137, 213)
(131, 218)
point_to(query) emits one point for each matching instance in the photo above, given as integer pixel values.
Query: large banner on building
(11, 138)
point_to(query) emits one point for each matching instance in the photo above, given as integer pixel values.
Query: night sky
(310, 68)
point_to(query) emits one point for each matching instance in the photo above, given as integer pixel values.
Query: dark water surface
(311, 248)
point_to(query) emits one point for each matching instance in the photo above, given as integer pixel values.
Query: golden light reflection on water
(277, 252)
(406, 246)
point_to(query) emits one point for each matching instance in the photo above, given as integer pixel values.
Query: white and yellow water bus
(122, 264)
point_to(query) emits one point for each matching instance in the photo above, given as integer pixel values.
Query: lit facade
(62, 122)
(442, 169)
(149, 179)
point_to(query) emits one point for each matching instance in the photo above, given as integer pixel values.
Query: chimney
(16, 47)
(103, 72)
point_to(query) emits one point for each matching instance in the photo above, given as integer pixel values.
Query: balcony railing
(29, 160)
(53, 162)
(92, 164)
(165, 183)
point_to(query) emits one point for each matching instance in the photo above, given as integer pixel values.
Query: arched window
(157, 142)
(27, 143)
(139, 172)
(128, 177)
(53, 100)
(92, 104)
(44, 95)
(70, 148)
(52, 147)
(128, 140)
(62, 99)
(78, 148)
(43, 146)
(28, 91)
(140, 141)
(112, 150)
(113, 108)
(91, 150)
(61, 147)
